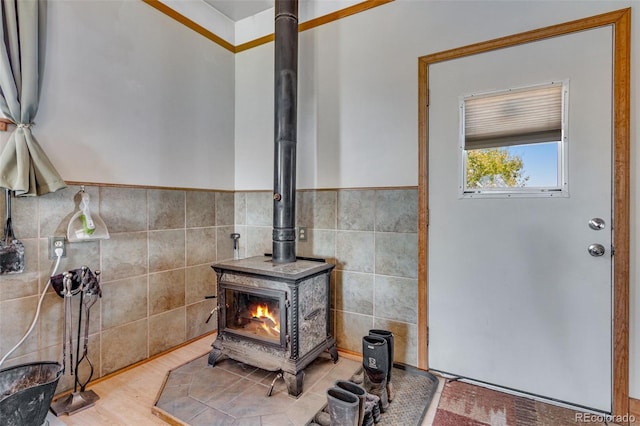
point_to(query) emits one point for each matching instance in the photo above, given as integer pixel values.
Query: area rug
(235, 393)
(463, 404)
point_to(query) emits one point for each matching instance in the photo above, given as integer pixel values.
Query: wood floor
(126, 398)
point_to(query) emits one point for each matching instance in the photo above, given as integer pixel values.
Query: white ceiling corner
(237, 10)
(242, 21)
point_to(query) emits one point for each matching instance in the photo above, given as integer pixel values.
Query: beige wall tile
(355, 251)
(166, 250)
(123, 346)
(124, 209)
(124, 255)
(197, 314)
(396, 298)
(350, 328)
(123, 301)
(166, 291)
(397, 210)
(166, 209)
(259, 240)
(14, 324)
(201, 246)
(259, 208)
(200, 282)
(356, 210)
(201, 209)
(316, 209)
(354, 292)
(397, 254)
(225, 214)
(240, 208)
(166, 330)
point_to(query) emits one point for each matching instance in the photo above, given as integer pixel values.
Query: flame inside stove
(268, 320)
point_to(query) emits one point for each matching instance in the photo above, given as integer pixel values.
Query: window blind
(513, 118)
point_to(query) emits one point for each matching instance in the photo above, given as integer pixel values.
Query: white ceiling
(240, 9)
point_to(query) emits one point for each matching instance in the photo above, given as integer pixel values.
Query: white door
(515, 298)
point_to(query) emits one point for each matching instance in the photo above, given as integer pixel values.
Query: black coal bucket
(26, 391)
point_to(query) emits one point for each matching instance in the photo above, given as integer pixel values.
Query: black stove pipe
(285, 128)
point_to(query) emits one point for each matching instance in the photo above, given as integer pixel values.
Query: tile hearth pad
(233, 393)
(236, 393)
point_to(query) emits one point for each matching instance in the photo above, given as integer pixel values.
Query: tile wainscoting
(155, 273)
(371, 235)
(156, 266)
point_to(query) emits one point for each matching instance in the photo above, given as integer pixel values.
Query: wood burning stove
(274, 316)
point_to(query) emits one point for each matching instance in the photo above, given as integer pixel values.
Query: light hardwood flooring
(126, 398)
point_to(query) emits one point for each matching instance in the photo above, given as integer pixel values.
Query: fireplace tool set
(86, 284)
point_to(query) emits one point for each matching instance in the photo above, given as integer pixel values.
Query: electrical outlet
(302, 233)
(54, 243)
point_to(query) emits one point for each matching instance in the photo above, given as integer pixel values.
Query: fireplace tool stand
(87, 284)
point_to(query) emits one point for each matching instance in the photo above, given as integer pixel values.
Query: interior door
(515, 298)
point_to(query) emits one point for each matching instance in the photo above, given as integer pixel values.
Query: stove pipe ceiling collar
(285, 129)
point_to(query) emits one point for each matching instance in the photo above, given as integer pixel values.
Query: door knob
(596, 250)
(596, 224)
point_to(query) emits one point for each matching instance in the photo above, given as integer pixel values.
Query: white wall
(130, 96)
(358, 119)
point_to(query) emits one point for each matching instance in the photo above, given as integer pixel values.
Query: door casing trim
(620, 20)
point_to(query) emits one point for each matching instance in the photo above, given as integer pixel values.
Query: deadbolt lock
(596, 250)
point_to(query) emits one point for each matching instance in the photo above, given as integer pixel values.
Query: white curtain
(24, 167)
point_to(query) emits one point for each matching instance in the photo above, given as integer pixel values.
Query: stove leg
(333, 351)
(294, 383)
(215, 354)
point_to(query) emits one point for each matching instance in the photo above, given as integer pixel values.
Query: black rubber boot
(343, 407)
(357, 391)
(388, 336)
(372, 407)
(375, 361)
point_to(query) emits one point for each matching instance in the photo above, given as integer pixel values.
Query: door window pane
(512, 142)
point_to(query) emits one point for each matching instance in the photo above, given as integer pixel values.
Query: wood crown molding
(316, 22)
(175, 188)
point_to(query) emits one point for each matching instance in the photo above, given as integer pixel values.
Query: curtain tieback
(24, 125)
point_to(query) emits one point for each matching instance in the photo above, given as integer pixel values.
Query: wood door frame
(620, 21)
